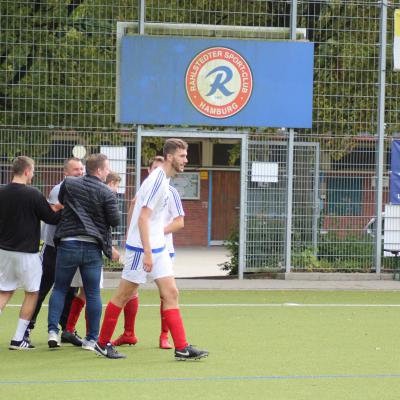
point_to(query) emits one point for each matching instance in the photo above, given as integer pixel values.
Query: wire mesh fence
(57, 90)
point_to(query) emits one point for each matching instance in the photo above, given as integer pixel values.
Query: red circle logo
(219, 82)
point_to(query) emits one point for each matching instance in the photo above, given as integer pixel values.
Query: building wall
(195, 232)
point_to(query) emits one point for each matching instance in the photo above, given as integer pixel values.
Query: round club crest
(218, 82)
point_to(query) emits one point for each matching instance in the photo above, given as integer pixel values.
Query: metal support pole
(289, 162)
(210, 210)
(138, 157)
(243, 205)
(142, 13)
(293, 20)
(289, 201)
(138, 154)
(380, 135)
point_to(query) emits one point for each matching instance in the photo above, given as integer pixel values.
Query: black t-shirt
(21, 209)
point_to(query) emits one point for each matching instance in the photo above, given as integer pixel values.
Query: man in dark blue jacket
(90, 210)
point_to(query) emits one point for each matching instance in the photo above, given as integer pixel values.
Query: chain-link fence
(57, 91)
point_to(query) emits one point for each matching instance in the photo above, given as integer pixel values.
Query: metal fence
(57, 90)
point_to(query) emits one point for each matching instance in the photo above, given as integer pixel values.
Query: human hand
(56, 207)
(147, 261)
(115, 254)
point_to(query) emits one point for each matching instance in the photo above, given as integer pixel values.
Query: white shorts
(20, 270)
(133, 268)
(77, 279)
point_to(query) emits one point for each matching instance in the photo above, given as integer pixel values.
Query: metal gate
(267, 200)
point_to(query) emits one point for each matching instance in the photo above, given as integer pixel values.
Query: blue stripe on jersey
(140, 250)
(176, 196)
(156, 186)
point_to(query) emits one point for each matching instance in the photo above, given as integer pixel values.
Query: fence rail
(57, 90)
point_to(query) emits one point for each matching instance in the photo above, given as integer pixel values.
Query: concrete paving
(195, 262)
(197, 268)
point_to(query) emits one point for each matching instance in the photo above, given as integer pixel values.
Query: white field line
(266, 305)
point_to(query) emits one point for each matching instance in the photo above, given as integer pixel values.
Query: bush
(347, 254)
(334, 254)
(232, 244)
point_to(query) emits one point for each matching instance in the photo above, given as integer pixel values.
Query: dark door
(225, 203)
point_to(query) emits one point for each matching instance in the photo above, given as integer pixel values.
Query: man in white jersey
(146, 254)
(173, 221)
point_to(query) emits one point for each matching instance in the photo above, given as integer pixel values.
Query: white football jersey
(153, 193)
(48, 231)
(174, 210)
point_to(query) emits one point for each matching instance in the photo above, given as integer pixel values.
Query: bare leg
(168, 292)
(5, 297)
(126, 290)
(25, 315)
(29, 305)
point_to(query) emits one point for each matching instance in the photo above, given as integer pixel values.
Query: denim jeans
(88, 257)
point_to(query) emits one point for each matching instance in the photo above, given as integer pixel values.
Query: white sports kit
(19, 269)
(154, 193)
(174, 210)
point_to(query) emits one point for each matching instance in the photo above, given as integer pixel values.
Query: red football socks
(109, 323)
(175, 325)
(130, 311)
(74, 313)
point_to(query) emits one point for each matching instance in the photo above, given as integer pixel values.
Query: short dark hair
(95, 161)
(155, 159)
(173, 144)
(68, 160)
(113, 177)
(21, 163)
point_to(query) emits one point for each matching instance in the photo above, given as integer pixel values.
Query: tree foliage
(58, 58)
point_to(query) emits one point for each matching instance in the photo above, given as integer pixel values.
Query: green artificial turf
(276, 350)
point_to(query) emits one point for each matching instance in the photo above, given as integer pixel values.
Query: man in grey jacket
(90, 210)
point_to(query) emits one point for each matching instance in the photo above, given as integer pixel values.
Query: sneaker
(107, 351)
(88, 344)
(71, 337)
(27, 335)
(190, 353)
(125, 339)
(53, 340)
(164, 344)
(20, 345)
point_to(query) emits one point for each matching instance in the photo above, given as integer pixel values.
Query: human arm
(44, 211)
(144, 231)
(60, 195)
(55, 205)
(175, 225)
(111, 209)
(115, 254)
(175, 213)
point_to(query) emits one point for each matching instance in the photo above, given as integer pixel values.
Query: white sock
(21, 328)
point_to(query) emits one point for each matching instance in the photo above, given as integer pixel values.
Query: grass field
(263, 345)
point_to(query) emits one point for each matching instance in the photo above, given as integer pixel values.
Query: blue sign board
(221, 82)
(395, 173)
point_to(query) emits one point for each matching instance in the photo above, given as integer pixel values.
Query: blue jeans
(88, 257)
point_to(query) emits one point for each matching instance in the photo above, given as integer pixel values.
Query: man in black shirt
(72, 167)
(22, 207)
